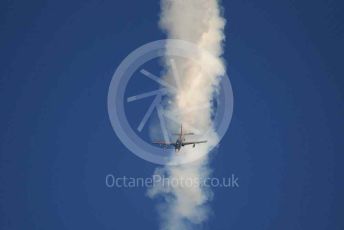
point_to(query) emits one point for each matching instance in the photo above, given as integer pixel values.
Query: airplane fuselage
(179, 144)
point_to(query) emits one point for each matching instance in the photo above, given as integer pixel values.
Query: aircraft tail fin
(181, 132)
(188, 134)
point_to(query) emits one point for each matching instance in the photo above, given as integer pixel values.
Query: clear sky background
(285, 142)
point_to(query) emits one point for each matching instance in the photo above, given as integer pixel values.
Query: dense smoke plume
(199, 22)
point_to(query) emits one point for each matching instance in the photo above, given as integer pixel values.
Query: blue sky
(284, 60)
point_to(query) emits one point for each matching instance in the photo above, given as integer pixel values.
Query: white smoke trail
(199, 22)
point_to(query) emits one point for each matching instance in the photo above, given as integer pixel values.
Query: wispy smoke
(199, 22)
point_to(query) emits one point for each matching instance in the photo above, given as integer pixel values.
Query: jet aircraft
(180, 142)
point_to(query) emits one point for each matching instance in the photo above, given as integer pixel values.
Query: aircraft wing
(193, 142)
(164, 144)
